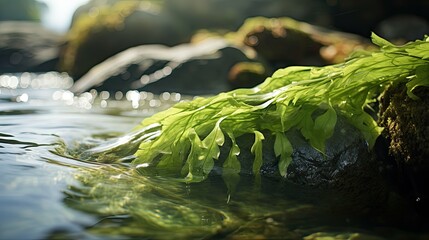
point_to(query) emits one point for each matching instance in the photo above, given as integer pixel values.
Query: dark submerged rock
(347, 154)
(28, 47)
(194, 69)
(348, 176)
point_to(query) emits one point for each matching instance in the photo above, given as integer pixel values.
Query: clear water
(50, 189)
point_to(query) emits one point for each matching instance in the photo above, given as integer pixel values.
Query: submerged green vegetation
(187, 137)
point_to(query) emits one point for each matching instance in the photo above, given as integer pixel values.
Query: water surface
(50, 188)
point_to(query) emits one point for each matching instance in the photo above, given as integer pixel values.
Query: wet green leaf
(283, 149)
(211, 147)
(195, 166)
(379, 41)
(323, 129)
(231, 166)
(257, 151)
(420, 80)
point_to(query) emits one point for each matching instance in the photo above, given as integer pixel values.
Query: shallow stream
(49, 190)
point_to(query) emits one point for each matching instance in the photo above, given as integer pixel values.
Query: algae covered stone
(98, 35)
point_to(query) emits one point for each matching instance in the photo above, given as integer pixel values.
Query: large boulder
(105, 30)
(194, 69)
(28, 46)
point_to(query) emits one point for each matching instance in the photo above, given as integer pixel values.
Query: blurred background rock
(100, 31)
(28, 46)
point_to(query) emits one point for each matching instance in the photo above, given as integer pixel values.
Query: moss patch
(406, 124)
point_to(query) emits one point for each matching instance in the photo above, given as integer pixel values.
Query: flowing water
(51, 188)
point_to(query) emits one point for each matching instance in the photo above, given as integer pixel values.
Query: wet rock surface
(28, 46)
(348, 170)
(346, 152)
(193, 69)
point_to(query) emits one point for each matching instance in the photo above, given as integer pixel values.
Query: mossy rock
(281, 44)
(406, 123)
(285, 41)
(107, 30)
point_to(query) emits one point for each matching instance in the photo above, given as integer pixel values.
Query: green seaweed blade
(308, 99)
